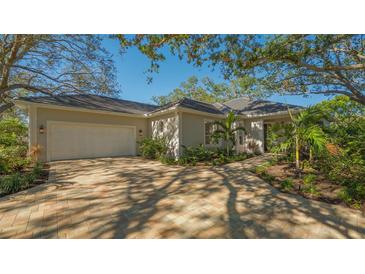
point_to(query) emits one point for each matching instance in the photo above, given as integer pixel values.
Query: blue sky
(132, 65)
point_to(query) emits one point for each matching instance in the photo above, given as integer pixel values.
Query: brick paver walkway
(135, 198)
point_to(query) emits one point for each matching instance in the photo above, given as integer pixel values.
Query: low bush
(261, 168)
(193, 155)
(287, 184)
(11, 183)
(353, 194)
(17, 181)
(309, 184)
(153, 148)
(267, 177)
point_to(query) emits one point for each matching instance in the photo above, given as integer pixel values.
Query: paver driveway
(135, 198)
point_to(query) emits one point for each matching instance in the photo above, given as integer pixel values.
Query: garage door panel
(74, 141)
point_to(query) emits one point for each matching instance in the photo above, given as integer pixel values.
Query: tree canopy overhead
(286, 64)
(53, 64)
(206, 90)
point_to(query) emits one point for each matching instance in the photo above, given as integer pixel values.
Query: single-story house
(88, 126)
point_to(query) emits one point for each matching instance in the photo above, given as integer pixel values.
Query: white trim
(205, 142)
(269, 115)
(185, 110)
(179, 115)
(50, 106)
(50, 123)
(33, 126)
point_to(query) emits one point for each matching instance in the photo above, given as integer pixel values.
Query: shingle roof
(246, 105)
(243, 105)
(94, 102)
(191, 104)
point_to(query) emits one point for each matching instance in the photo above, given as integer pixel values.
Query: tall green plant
(226, 131)
(299, 134)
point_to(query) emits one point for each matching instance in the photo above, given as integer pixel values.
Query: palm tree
(226, 131)
(301, 133)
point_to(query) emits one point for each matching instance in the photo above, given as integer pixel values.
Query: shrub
(192, 155)
(287, 184)
(261, 169)
(11, 183)
(153, 148)
(267, 177)
(167, 160)
(353, 194)
(17, 181)
(13, 145)
(309, 184)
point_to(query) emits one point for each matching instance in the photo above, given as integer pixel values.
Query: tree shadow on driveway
(136, 198)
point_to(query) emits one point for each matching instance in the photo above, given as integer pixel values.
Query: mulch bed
(327, 191)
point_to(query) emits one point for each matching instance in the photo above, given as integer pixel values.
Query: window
(209, 130)
(240, 134)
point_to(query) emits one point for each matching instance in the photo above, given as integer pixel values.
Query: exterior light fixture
(140, 132)
(41, 129)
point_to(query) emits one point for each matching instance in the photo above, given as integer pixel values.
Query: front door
(266, 133)
(240, 140)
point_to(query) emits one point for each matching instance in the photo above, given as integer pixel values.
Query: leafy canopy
(53, 64)
(286, 64)
(206, 90)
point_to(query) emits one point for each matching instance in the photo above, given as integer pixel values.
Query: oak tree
(53, 64)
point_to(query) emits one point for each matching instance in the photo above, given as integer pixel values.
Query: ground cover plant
(17, 170)
(323, 150)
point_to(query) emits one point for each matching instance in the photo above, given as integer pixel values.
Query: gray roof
(192, 104)
(243, 105)
(246, 105)
(94, 102)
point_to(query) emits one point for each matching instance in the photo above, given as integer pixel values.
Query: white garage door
(76, 140)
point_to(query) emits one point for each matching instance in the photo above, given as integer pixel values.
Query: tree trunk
(310, 154)
(297, 157)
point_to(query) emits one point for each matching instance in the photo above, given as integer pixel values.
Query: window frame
(212, 144)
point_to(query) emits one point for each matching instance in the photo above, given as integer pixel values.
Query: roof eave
(24, 103)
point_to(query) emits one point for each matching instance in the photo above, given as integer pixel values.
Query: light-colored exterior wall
(170, 131)
(43, 115)
(193, 129)
(179, 127)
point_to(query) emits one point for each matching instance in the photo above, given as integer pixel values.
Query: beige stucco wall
(171, 131)
(193, 128)
(43, 115)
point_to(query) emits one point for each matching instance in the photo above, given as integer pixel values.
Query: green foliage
(17, 181)
(287, 184)
(299, 136)
(11, 183)
(261, 168)
(226, 131)
(286, 64)
(193, 155)
(344, 122)
(206, 90)
(153, 148)
(353, 194)
(309, 184)
(13, 145)
(56, 64)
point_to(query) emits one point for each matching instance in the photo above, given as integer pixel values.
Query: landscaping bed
(21, 180)
(308, 183)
